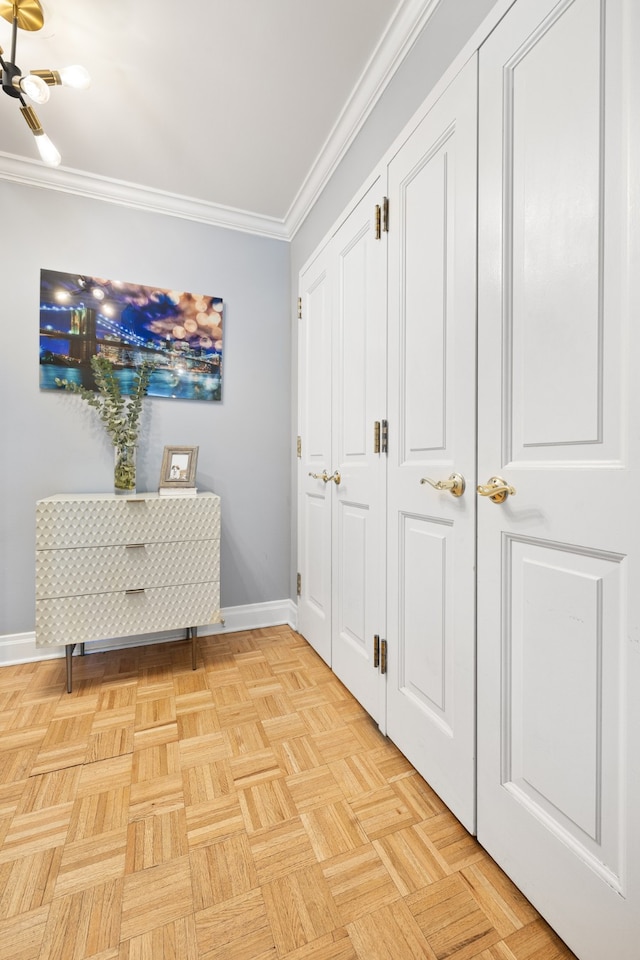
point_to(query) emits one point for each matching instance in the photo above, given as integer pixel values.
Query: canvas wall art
(129, 323)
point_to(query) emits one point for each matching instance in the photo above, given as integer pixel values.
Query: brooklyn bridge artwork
(128, 323)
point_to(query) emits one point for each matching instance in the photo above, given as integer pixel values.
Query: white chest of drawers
(111, 566)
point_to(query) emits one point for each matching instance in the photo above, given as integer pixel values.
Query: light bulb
(47, 150)
(76, 77)
(35, 88)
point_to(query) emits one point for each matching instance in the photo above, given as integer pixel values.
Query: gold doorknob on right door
(496, 489)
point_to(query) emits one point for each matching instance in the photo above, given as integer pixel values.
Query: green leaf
(120, 415)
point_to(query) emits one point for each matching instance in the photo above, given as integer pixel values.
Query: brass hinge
(378, 227)
(376, 437)
(299, 308)
(384, 438)
(383, 656)
(299, 448)
(299, 585)
(376, 651)
(385, 215)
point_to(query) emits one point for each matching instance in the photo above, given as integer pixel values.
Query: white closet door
(359, 394)
(558, 562)
(432, 393)
(314, 427)
(342, 393)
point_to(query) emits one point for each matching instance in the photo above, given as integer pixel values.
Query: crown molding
(31, 173)
(402, 32)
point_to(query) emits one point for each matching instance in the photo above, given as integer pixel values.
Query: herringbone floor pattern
(249, 810)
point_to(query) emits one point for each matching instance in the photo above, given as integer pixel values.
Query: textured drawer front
(85, 570)
(97, 521)
(108, 615)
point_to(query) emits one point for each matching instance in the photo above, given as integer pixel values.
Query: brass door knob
(455, 484)
(324, 476)
(496, 489)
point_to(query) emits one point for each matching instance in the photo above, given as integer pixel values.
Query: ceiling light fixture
(28, 15)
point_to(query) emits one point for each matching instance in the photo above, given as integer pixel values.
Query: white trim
(21, 647)
(31, 173)
(469, 50)
(402, 32)
(254, 616)
(471, 47)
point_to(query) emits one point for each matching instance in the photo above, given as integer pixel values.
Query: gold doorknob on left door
(455, 484)
(321, 476)
(496, 489)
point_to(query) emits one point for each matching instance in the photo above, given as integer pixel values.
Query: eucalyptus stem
(120, 415)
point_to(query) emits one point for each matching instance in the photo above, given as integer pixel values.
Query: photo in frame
(178, 471)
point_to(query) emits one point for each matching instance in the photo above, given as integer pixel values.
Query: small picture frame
(178, 468)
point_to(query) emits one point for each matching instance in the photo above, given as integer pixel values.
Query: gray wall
(53, 442)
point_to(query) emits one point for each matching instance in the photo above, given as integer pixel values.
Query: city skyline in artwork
(180, 332)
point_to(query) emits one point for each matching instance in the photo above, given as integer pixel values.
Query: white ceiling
(243, 104)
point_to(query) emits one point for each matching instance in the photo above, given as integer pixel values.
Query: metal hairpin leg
(193, 632)
(68, 652)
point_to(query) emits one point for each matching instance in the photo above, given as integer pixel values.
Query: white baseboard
(21, 647)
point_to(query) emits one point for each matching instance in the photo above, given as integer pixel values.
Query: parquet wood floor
(249, 810)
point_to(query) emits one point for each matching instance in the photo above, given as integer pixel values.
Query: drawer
(87, 570)
(105, 616)
(94, 521)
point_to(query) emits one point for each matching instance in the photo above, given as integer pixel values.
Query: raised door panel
(425, 670)
(426, 214)
(558, 670)
(431, 533)
(562, 383)
(558, 335)
(562, 659)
